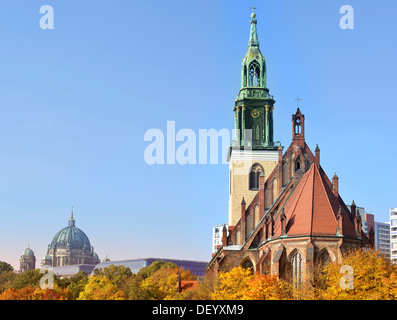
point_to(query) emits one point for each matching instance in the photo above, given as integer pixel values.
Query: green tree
(156, 265)
(4, 267)
(30, 278)
(6, 280)
(134, 290)
(116, 274)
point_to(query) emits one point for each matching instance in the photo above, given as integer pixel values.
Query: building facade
(197, 268)
(393, 234)
(382, 238)
(217, 236)
(285, 214)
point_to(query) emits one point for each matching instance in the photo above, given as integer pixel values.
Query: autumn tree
(134, 290)
(162, 284)
(100, 288)
(373, 277)
(6, 280)
(29, 293)
(146, 272)
(30, 278)
(117, 275)
(75, 283)
(233, 284)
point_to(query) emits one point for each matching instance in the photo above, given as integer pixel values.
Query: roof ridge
(326, 193)
(296, 200)
(312, 205)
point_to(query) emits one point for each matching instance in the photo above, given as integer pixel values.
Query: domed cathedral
(70, 246)
(27, 260)
(285, 214)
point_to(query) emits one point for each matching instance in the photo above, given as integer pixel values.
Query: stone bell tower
(253, 152)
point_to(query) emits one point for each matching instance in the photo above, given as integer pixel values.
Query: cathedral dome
(71, 237)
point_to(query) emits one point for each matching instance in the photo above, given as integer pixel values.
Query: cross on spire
(297, 99)
(253, 8)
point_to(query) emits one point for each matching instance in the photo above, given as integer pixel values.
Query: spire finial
(71, 219)
(297, 99)
(253, 15)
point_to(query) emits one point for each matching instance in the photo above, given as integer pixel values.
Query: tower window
(254, 176)
(254, 75)
(298, 126)
(298, 165)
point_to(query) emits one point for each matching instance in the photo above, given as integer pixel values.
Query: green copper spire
(254, 106)
(253, 42)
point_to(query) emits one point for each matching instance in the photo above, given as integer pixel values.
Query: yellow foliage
(100, 288)
(232, 284)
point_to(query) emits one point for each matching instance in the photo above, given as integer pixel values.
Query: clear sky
(76, 101)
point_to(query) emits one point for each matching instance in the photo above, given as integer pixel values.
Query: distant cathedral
(285, 215)
(69, 246)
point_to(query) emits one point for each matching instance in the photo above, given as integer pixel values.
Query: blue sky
(76, 101)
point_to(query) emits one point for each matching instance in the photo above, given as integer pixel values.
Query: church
(285, 214)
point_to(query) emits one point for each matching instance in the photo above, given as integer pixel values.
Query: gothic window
(254, 176)
(324, 258)
(247, 264)
(254, 74)
(298, 165)
(297, 270)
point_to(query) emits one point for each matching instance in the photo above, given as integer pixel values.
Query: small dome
(96, 257)
(46, 258)
(28, 252)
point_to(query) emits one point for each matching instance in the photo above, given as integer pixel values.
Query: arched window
(254, 74)
(297, 270)
(247, 264)
(324, 258)
(256, 171)
(298, 165)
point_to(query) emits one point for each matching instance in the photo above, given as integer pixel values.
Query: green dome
(71, 237)
(28, 252)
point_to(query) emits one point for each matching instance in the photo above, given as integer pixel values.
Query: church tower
(27, 260)
(253, 152)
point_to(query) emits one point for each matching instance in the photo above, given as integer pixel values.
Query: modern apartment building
(393, 234)
(382, 238)
(217, 236)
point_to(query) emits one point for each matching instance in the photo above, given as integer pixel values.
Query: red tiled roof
(312, 208)
(187, 285)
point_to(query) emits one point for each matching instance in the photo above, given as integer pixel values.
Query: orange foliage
(29, 293)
